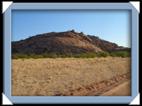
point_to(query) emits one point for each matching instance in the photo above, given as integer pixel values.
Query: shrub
(81, 55)
(120, 54)
(102, 54)
(16, 56)
(84, 55)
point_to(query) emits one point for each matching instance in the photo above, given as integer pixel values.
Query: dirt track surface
(69, 76)
(120, 90)
(111, 87)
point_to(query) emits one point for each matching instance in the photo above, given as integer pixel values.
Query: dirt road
(120, 90)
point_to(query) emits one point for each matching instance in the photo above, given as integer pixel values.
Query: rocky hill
(63, 43)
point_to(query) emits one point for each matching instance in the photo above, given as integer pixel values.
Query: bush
(81, 55)
(120, 54)
(102, 54)
(16, 56)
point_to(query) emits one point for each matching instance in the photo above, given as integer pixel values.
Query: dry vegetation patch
(59, 76)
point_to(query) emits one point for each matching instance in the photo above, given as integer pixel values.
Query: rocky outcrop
(63, 43)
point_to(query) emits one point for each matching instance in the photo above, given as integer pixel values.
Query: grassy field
(67, 76)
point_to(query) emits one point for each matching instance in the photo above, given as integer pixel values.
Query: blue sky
(113, 26)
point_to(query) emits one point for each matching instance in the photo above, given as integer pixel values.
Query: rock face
(104, 45)
(63, 43)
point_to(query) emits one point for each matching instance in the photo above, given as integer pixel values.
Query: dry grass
(61, 75)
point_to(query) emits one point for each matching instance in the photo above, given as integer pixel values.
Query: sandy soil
(68, 76)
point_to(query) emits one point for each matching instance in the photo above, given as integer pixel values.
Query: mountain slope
(62, 43)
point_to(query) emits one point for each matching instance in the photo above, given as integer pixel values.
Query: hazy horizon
(113, 26)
